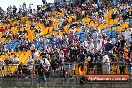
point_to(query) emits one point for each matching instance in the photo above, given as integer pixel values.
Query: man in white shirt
(15, 60)
(45, 63)
(30, 65)
(29, 60)
(106, 62)
(90, 47)
(99, 46)
(32, 48)
(85, 44)
(127, 35)
(36, 54)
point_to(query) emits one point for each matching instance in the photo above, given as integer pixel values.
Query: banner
(107, 78)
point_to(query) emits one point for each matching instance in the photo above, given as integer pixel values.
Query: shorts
(67, 66)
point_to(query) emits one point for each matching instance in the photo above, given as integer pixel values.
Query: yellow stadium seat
(115, 21)
(126, 24)
(96, 24)
(66, 29)
(61, 33)
(110, 22)
(78, 29)
(91, 23)
(106, 19)
(119, 29)
(100, 26)
(50, 29)
(114, 28)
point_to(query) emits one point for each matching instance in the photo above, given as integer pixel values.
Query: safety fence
(65, 71)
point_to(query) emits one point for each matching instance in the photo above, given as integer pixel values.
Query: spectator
(1, 68)
(41, 75)
(122, 64)
(99, 46)
(30, 65)
(36, 63)
(36, 54)
(32, 48)
(98, 61)
(15, 60)
(108, 46)
(127, 36)
(20, 71)
(106, 62)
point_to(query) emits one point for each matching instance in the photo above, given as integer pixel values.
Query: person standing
(106, 62)
(40, 72)
(43, 68)
(20, 70)
(1, 68)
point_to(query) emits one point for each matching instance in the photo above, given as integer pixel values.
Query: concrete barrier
(58, 83)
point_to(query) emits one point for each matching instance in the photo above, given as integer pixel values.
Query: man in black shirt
(20, 70)
(41, 73)
(74, 52)
(98, 60)
(122, 41)
(108, 46)
(43, 54)
(81, 57)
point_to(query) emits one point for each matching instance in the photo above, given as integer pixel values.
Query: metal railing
(71, 70)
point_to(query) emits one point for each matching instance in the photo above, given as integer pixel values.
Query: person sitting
(15, 60)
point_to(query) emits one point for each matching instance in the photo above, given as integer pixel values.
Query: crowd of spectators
(62, 37)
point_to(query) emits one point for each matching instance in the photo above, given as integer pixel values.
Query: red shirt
(66, 51)
(71, 37)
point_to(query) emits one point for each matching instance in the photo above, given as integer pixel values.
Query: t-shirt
(99, 46)
(90, 48)
(82, 57)
(43, 54)
(108, 46)
(127, 34)
(106, 59)
(71, 37)
(74, 50)
(45, 62)
(65, 50)
(32, 47)
(36, 54)
(16, 59)
(122, 43)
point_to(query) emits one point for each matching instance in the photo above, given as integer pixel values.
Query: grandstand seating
(110, 29)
